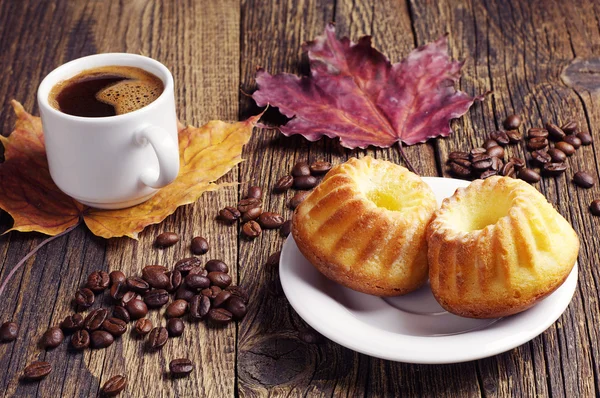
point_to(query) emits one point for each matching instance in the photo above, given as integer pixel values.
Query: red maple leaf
(355, 93)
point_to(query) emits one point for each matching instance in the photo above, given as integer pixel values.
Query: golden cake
(496, 248)
(364, 227)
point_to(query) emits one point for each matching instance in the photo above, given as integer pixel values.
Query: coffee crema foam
(128, 89)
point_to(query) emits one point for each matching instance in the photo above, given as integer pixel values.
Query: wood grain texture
(517, 49)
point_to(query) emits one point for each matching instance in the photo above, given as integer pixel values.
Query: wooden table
(517, 49)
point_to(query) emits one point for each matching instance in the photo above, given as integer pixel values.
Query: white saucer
(412, 328)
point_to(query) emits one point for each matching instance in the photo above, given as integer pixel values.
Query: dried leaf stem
(405, 159)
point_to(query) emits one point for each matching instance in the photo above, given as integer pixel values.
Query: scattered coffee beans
(286, 228)
(175, 327)
(196, 282)
(300, 169)
(187, 264)
(567, 148)
(101, 339)
(199, 245)
(84, 298)
(595, 207)
(229, 214)
(555, 132)
(177, 309)
(585, 138)
(297, 199)
(156, 298)
(583, 179)
(37, 370)
(121, 313)
(158, 338)
(175, 279)
(237, 307)
(52, 338)
(115, 326)
(199, 306)
(221, 298)
(305, 182)
(251, 214)
(95, 319)
(251, 229)
(98, 281)
(166, 239)
(80, 340)
(254, 192)
(143, 326)
(137, 284)
(239, 292)
(555, 169)
(512, 122)
(156, 278)
(270, 220)
(573, 140)
(114, 386)
(248, 204)
(283, 184)
(220, 279)
(320, 167)
(117, 277)
(216, 266)
(8, 332)
(118, 290)
(137, 309)
(181, 367)
(557, 155)
(569, 127)
(219, 316)
(528, 175)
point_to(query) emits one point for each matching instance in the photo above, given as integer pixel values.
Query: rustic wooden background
(517, 49)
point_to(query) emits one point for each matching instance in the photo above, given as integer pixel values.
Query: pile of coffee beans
(202, 291)
(249, 210)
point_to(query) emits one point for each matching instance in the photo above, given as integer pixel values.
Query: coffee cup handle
(167, 153)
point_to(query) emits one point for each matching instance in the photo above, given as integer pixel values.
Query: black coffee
(106, 91)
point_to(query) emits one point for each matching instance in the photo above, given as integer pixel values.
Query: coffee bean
(211, 292)
(219, 279)
(487, 174)
(199, 306)
(557, 155)
(508, 170)
(181, 367)
(174, 281)
(137, 284)
(247, 204)
(95, 318)
(541, 157)
(175, 327)
(254, 192)
(156, 298)
(489, 143)
(114, 386)
(239, 292)
(98, 281)
(185, 265)
(496, 151)
(229, 214)
(512, 122)
(554, 169)
(117, 276)
(286, 228)
(305, 182)
(300, 169)
(137, 309)
(270, 220)
(297, 199)
(221, 298)
(219, 316)
(583, 179)
(197, 282)
(156, 279)
(573, 140)
(537, 132)
(459, 155)
(585, 138)
(115, 326)
(118, 290)
(236, 307)
(101, 339)
(483, 162)
(460, 171)
(80, 340)
(52, 338)
(127, 297)
(252, 214)
(501, 138)
(567, 148)
(595, 207)
(467, 163)
(537, 143)
(71, 323)
(514, 136)
(555, 132)
(9, 331)
(37, 370)
(519, 163)
(320, 167)
(176, 309)
(273, 260)
(251, 230)
(529, 175)
(497, 164)
(283, 184)
(166, 239)
(216, 266)
(569, 127)
(143, 326)
(199, 245)
(158, 338)
(184, 294)
(121, 313)
(153, 268)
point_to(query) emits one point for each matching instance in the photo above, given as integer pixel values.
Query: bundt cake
(497, 247)
(364, 227)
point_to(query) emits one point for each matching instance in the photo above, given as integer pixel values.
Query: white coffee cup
(117, 161)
